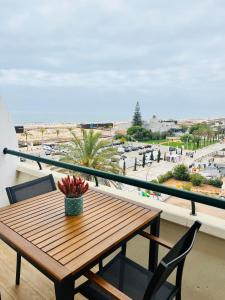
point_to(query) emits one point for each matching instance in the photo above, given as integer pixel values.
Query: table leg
(64, 290)
(154, 247)
(18, 268)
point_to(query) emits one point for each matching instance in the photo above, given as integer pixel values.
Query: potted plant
(73, 188)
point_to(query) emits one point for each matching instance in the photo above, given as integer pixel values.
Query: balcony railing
(193, 197)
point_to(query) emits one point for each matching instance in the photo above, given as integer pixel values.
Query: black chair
(31, 189)
(122, 278)
(25, 191)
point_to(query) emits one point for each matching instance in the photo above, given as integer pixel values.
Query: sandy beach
(52, 133)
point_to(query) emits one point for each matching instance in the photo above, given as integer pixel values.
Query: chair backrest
(31, 189)
(173, 260)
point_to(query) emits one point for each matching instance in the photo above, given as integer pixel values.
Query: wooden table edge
(42, 261)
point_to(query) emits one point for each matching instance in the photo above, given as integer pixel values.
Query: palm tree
(197, 134)
(42, 130)
(90, 151)
(209, 135)
(70, 129)
(57, 132)
(26, 133)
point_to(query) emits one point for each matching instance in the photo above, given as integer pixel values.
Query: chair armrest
(156, 240)
(106, 286)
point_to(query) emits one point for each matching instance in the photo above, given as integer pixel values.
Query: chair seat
(128, 277)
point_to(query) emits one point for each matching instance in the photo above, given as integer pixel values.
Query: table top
(61, 245)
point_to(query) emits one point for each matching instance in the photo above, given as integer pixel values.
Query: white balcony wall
(7, 163)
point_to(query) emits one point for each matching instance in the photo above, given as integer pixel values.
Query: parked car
(133, 148)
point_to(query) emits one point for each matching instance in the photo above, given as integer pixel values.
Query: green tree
(137, 119)
(139, 133)
(91, 151)
(197, 134)
(180, 172)
(186, 138)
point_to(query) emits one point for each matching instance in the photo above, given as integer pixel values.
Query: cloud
(127, 47)
(203, 73)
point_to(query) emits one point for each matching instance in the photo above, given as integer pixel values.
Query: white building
(157, 125)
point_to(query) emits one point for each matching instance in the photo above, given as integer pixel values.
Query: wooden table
(63, 248)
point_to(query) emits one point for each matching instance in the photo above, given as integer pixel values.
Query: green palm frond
(90, 151)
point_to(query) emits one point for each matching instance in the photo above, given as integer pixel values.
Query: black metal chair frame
(11, 193)
(173, 261)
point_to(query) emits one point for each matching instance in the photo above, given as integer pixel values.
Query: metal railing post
(193, 209)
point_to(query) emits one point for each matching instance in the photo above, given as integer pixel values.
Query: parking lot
(130, 152)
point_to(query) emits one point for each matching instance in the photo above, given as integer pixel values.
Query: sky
(92, 60)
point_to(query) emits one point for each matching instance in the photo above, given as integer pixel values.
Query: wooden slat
(60, 245)
(37, 207)
(73, 251)
(57, 228)
(47, 211)
(47, 216)
(75, 226)
(35, 203)
(75, 265)
(34, 215)
(29, 203)
(38, 257)
(74, 238)
(37, 225)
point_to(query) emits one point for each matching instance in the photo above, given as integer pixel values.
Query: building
(96, 125)
(158, 125)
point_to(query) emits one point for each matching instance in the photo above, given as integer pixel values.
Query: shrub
(154, 181)
(118, 136)
(165, 177)
(217, 182)
(197, 179)
(180, 172)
